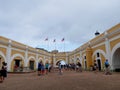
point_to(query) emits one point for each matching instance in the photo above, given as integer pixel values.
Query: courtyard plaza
(69, 80)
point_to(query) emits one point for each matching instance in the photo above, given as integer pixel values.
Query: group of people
(76, 67)
(106, 67)
(44, 69)
(3, 72)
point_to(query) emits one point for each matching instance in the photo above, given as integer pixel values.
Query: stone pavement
(70, 80)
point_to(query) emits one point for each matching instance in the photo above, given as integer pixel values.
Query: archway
(31, 63)
(17, 63)
(116, 60)
(60, 61)
(2, 58)
(100, 56)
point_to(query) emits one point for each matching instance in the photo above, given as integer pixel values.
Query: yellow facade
(103, 46)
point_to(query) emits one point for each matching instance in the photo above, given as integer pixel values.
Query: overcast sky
(32, 21)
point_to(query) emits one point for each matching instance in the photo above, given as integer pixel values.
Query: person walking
(78, 67)
(60, 68)
(107, 68)
(42, 68)
(3, 72)
(39, 68)
(46, 67)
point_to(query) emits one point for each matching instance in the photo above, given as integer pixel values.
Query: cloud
(30, 22)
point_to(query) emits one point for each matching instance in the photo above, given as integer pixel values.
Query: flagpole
(64, 46)
(54, 41)
(48, 45)
(55, 45)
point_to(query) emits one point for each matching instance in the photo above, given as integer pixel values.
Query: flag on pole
(62, 39)
(54, 40)
(46, 39)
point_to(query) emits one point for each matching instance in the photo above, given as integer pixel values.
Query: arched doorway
(31, 64)
(1, 60)
(116, 60)
(99, 64)
(60, 61)
(17, 63)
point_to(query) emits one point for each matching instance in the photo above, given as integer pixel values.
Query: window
(98, 55)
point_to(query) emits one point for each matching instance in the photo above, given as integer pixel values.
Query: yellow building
(103, 46)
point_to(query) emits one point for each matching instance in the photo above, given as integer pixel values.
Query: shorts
(39, 69)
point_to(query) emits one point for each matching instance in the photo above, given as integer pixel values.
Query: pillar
(89, 57)
(8, 57)
(26, 57)
(108, 50)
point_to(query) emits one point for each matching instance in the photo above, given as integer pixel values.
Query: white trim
(31, 53)
(17, 49)
(108, 50)
(15, 55)
(95, 46)
(40, 59)
(2, 46)
(100, 51)
(114, 38)
(31, 57)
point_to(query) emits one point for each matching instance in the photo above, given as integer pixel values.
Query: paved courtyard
(70, 80)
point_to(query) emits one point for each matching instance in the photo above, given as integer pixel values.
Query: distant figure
(39, 68)
(15, 68)
(46, 67)
(3, 71)
(49, 67)
(42, 68)
(60, 68)
(4, 67)
(79, 67)
(107, 68)
(95, 67)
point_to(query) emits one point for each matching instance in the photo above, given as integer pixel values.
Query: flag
(54, 40)
(46, 39)
(62, 39)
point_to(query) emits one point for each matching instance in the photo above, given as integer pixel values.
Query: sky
(32, 21)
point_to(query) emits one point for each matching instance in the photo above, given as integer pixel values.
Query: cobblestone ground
(70, 80)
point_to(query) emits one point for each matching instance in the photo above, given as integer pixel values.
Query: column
(37, 59)
(26, 56)
(44, 60)
(54, 59)
(108, 49)
(74, 59)
(80, 56)
(8, 56)
(89, 57)
(66, 58)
